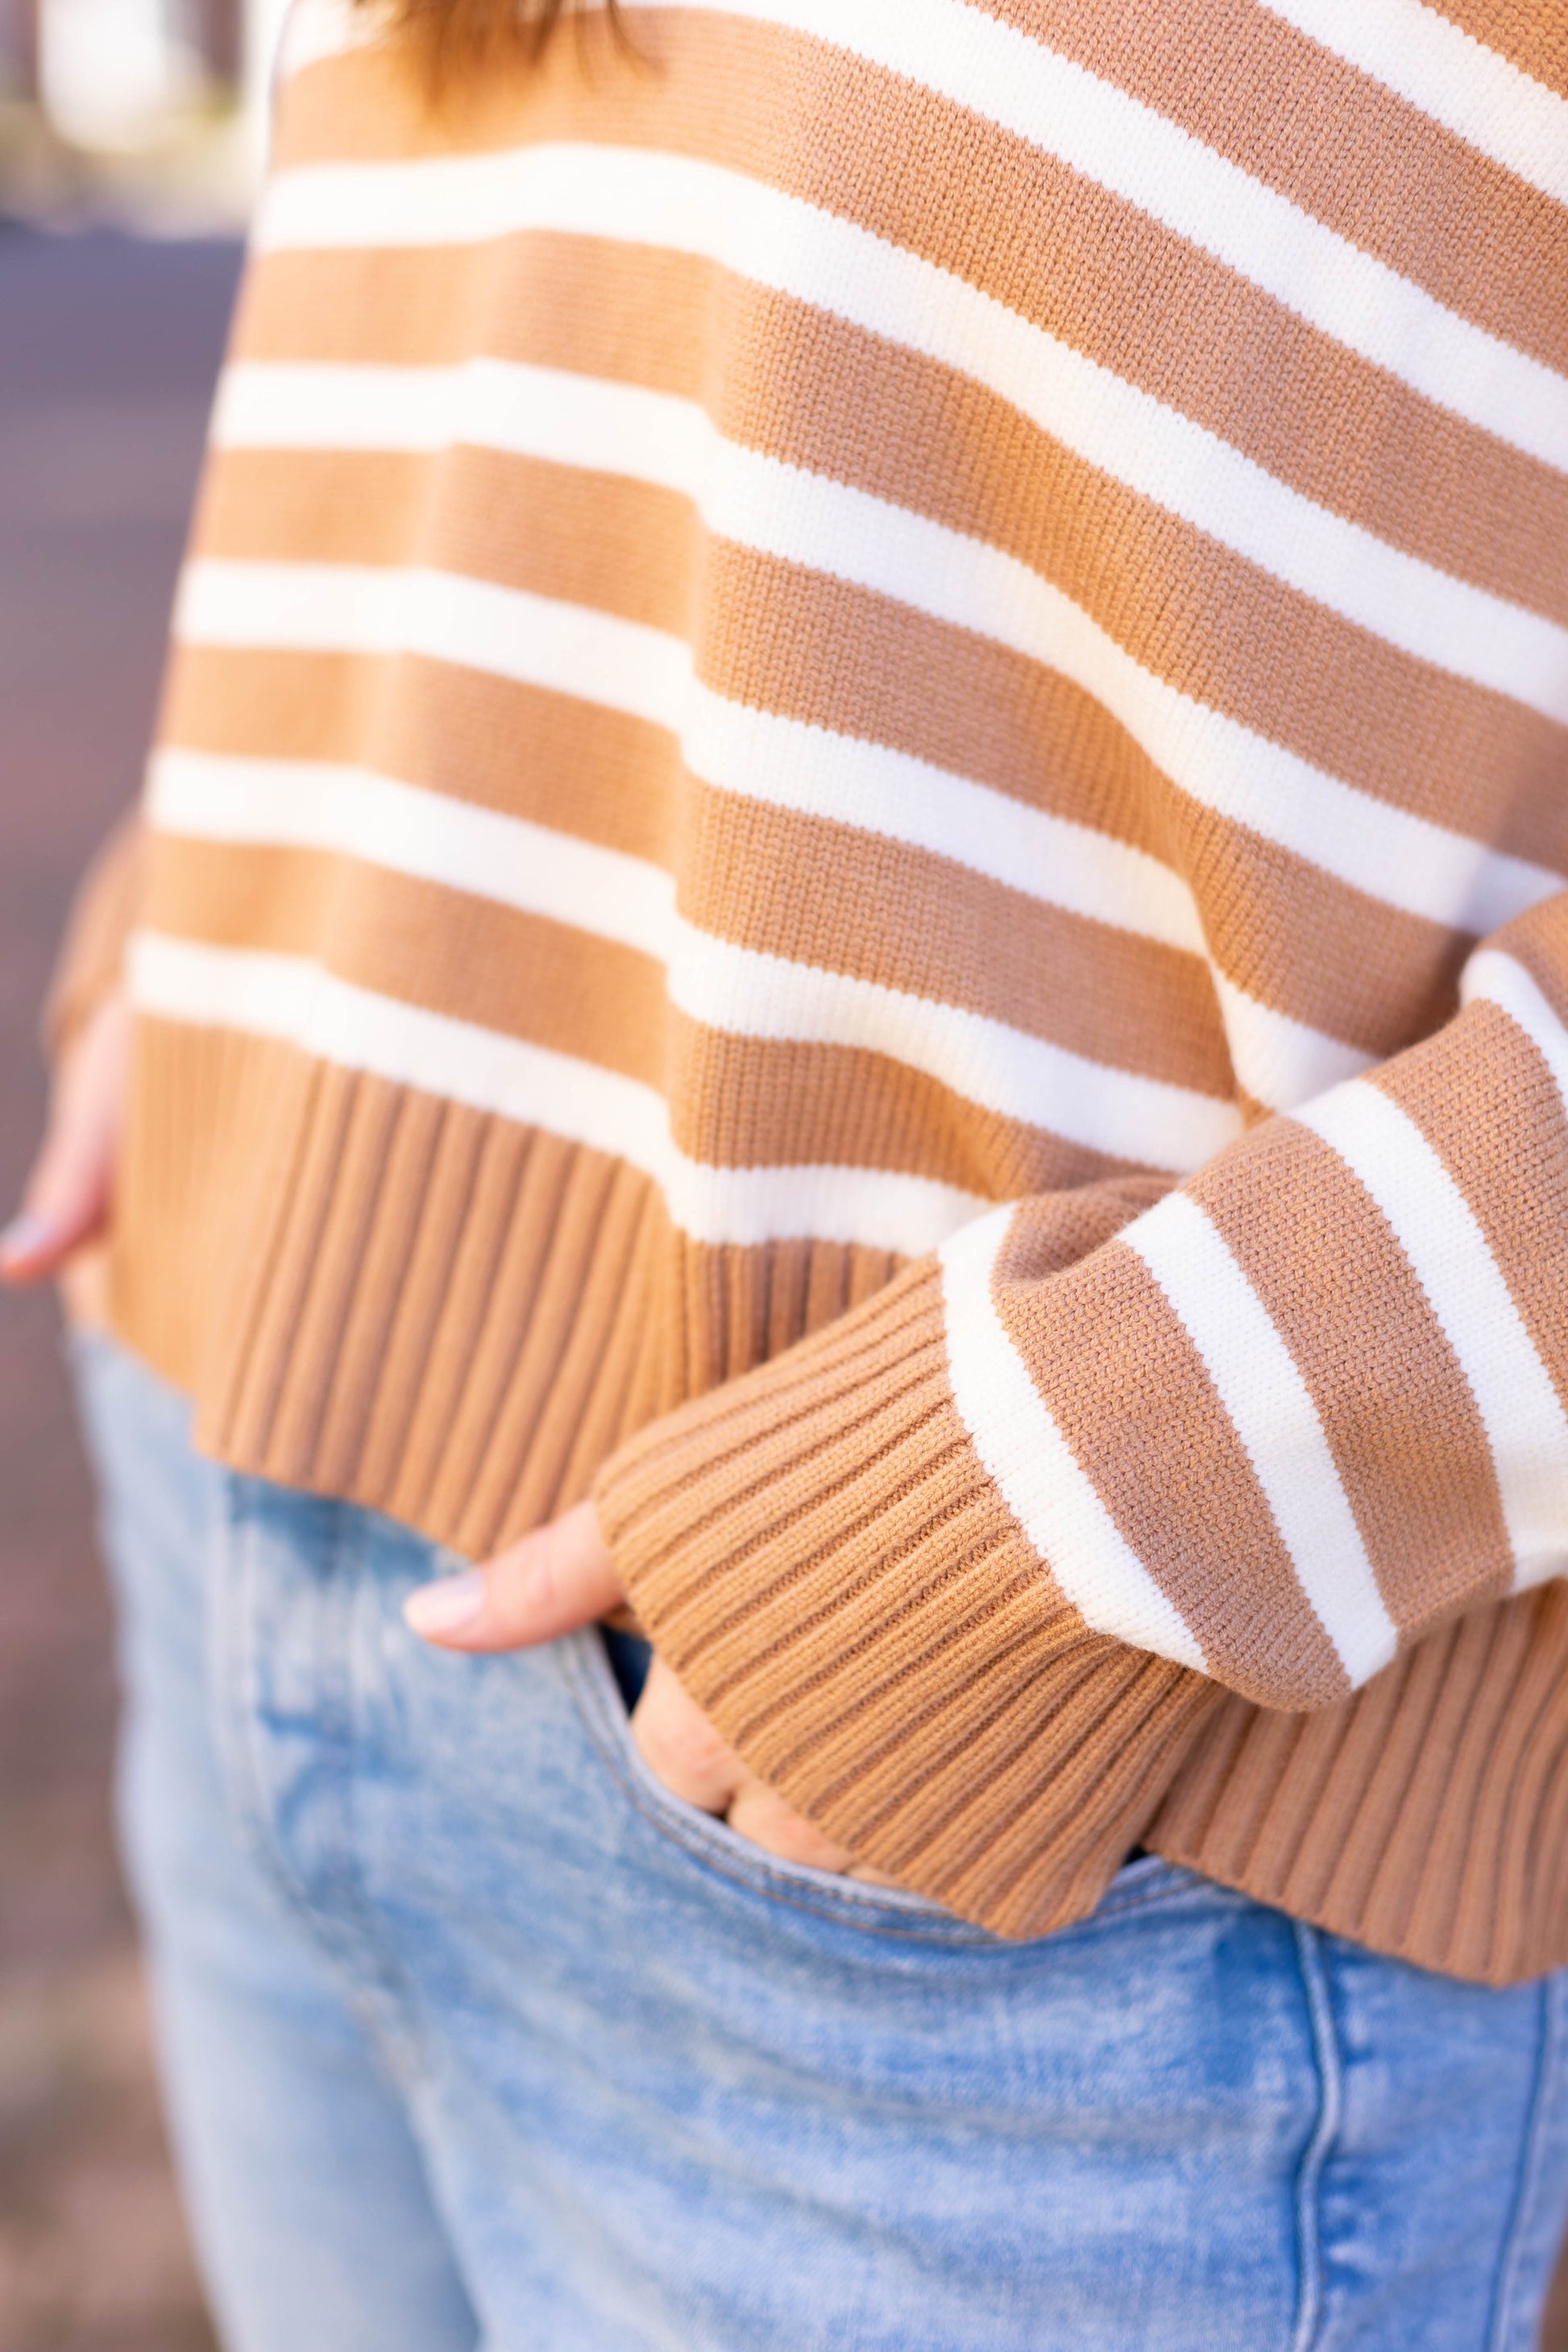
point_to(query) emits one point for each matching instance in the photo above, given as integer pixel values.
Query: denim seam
(346, 1924)
(349, 1952)
(1325, 2130)
(1501, 2335)
(235, 1711)
(940, 1930)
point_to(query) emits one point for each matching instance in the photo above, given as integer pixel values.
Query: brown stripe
(831, 896)
(746, 1102)
(1137, 297)
(312, 506)
(1487, 1103)
(275, 705)
(1340, 144)
(1304, 943)
(915, 685)
(1350, 439)
(631, 313)
(1214, 625)
(419, 306)
(518, 973)
(1136, 1405)
(594, 772)
(1390, 1392)
(602, 540)
(812, 649)
(1539, 941)
(1532, 34)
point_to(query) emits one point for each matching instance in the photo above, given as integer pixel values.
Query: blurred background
(130, 138)
(131, 135)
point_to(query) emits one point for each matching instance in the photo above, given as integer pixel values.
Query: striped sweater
(859, 837)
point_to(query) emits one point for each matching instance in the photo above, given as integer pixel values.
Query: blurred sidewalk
(105, 357)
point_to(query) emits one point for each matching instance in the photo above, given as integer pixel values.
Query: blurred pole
(219, 34)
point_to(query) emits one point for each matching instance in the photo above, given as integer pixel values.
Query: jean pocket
(597, 1687)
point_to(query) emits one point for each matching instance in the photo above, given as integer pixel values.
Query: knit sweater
(858, 837)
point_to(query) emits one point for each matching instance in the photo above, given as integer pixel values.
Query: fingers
(68, 1195)
(682, 1748)
(554, 1581)
(564, 1577)
(759, 1814)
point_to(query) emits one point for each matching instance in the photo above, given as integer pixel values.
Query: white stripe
(1492, 977)
(982, 1061)
(505, 632)
(1277, 1061)
(587, 422)
(1386, 852)
(305, 805)
(1436, 1229)
(686, 206)
(286, 998)
(1023, 1450)
(1435, 65)
(754, 754)
(736, 989)
(844, 780)
(1271, 1409)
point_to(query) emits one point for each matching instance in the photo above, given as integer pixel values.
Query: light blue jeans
(472, 2035)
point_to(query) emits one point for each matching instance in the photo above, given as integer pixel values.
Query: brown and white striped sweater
(860, 835)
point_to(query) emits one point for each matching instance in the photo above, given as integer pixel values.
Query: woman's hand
(564, 1577)
(66, 1203)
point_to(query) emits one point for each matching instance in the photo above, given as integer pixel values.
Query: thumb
(561, 1577)
(67, 1196)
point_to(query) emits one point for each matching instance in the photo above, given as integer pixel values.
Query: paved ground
(107, 349)
(106, 353)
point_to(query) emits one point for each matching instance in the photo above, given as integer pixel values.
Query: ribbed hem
(1427, 1817)
(420, 1307)
(820, 1556)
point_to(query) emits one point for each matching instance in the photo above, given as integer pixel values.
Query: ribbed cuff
(817, 1552)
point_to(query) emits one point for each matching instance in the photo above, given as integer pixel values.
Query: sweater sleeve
(102, 916)
(963, 1573)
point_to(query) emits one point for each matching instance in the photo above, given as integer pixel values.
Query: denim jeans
(473, 2034)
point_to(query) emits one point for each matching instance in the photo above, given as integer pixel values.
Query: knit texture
(860, 835)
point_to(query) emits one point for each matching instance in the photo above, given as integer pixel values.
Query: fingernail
(448, 1605)
(25, 1236)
